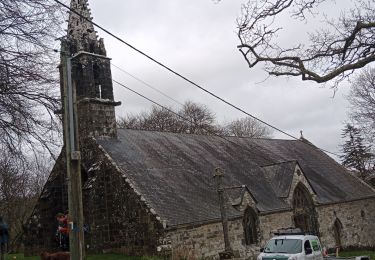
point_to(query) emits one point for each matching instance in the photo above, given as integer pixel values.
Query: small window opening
(337, 232)
(100, 91)
(307, 247)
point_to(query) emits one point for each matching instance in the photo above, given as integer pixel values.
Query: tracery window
(250, 225)
(304, 212)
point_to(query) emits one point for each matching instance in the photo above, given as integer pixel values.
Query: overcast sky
(198, 39)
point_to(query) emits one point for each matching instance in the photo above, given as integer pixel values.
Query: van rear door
(317, 249)
(307, 249)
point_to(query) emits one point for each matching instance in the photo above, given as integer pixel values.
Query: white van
(292, 247)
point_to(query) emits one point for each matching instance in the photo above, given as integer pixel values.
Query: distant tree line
(193, 118)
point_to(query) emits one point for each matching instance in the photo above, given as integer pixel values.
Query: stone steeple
(81, 31)
(78, 26)
(91, 74)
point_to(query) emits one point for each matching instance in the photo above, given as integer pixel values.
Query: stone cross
(228, 253)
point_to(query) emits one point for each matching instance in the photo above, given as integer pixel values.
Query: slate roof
(280, 176)
(174, 172)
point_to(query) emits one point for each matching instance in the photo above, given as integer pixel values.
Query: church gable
(330, 181)
(113, 206)
(241, 198)
(281, 175)
(299, 179)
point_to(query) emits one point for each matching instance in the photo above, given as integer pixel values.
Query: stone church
(147, 193)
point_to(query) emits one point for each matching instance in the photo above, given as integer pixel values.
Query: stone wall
(97, 118)
(358, 223)
(206, 241)
(40, 229)
(119, 219)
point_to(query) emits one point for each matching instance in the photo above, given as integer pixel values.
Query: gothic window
(304, 212)
(337, 232)
(250, 225)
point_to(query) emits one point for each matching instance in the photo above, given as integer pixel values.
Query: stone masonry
(358, 221)
(206, 241)
(119, 219)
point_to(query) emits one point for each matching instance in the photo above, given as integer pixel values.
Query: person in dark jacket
(4, 238)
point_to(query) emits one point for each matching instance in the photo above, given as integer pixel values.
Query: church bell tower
(91, 75)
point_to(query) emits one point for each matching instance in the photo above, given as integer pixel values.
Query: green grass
(90, 257)
(358, 253)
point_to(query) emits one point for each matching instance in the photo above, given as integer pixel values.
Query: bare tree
(28, 74)
(129, 121)
(201, 120)
(332, 53)
(20, 186)
(247, 127)
(362, 100)
(157, 119)
(191, 118)
(160, 119)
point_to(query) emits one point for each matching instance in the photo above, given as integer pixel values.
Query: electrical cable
(188, 80)
(193, 123)
(147, 84)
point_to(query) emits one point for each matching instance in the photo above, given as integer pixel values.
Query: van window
(307, 246)
(315, 245)
(286, 246)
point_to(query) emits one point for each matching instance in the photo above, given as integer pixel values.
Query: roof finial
(301, 137)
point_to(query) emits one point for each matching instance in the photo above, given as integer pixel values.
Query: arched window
(250, 225)
(337, 232)
(304, 212)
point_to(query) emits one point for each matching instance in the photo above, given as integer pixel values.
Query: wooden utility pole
(228, 253)
(73, 158)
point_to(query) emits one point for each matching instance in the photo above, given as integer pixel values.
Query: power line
(152, 101)
(147, 84)
(185, 78)
(173, 71)
(190, 121)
